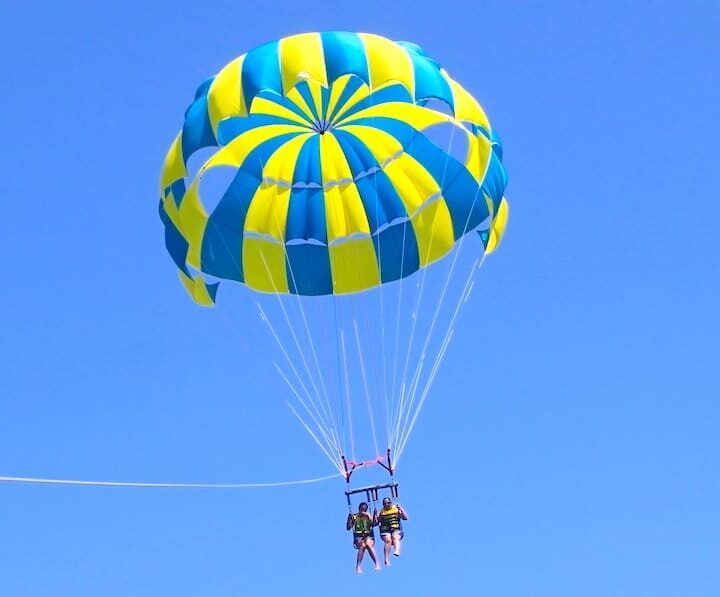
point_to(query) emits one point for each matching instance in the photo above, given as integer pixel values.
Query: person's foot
(376, 566)
(397, 554)
(387, 562)
(358, 570)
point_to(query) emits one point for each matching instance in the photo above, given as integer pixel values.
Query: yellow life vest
(389, 519)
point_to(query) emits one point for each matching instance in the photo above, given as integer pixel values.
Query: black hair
(363, 504)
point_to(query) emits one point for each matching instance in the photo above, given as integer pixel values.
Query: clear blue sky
(570, 446)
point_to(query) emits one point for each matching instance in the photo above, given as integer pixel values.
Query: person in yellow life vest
(390, 527)
(362, 525)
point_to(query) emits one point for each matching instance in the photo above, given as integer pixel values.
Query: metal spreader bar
(371, 491)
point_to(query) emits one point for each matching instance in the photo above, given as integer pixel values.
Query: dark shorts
(358, 540)
(392, 533)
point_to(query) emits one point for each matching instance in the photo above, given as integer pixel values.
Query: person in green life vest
(390, 527)
(362, 525)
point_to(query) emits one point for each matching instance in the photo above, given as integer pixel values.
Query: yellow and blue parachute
(351, 162)
(326, 133)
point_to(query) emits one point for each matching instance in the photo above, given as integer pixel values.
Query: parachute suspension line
(343, 430)
(347, 395)
(466, 292)
(266, 319)
(333, 369)
(327, 416)
(326, 404)
(397, 416)
(353, 300)
(375, 395)
(329, 443)
(342, 349)
(464, 296)
(359, 302)
(339, 338)
(393, 396)
(327, 339)
(329, 439)
(393, 407)
(365, 384)
(322, 427)
(326, 407)
(414, 385)
(416, 310)
(317, 441)
(440, 302)
(431, 378)
(296, 341)
(381, 289)
(383, 342)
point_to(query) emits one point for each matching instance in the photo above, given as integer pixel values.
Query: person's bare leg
(361, 553)
(386, 548)
(396, 543)
(370, 546)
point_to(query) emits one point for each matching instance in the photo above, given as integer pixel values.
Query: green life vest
(362, 525)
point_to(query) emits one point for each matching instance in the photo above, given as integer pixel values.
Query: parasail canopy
(350, 163)
(328, 137)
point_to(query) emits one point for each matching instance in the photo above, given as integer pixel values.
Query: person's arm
(350, 521)
(375, 520)
(402, 512)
